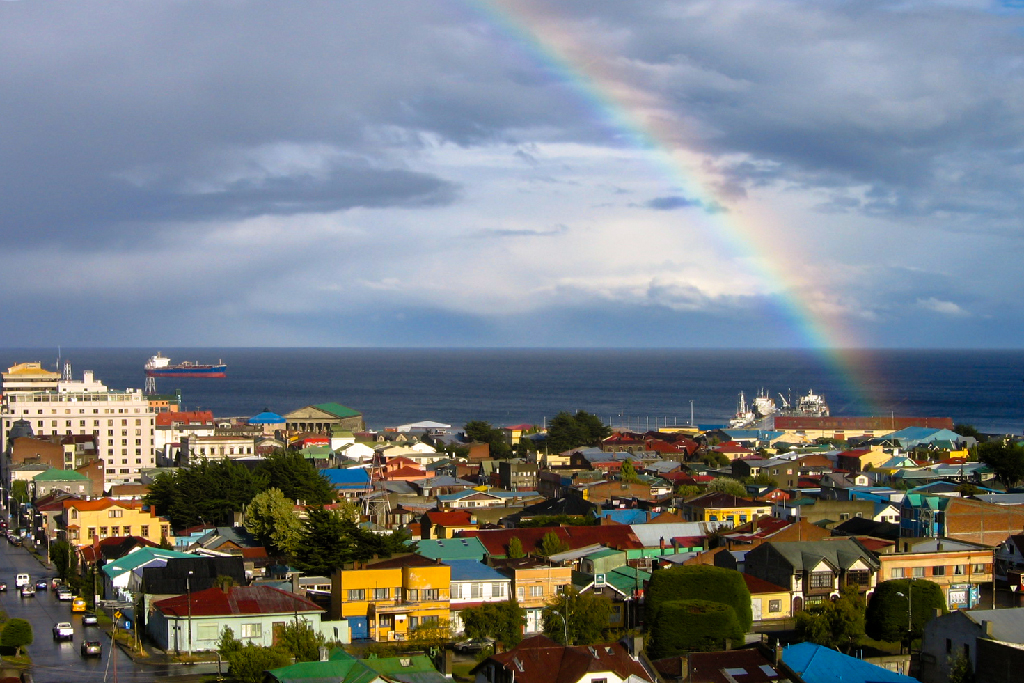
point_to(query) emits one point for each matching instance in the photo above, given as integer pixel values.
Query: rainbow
(643, 122)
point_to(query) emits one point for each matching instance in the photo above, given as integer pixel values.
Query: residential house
(195, 621)
(518, 475)
(474, 584)
(464, 548)
(534, 582)
(341, 667)
(763, 529)
(724, 507)
(832, 512)
(958, 567)
(539, 659)
(813, 571)
(84, 520)
(753, 665)
(623, 585)
(351, 483)
(1009, 561)
(118, 575)
(820, 664)
(385, 600)
(437, 524)
(768, 602)
(484, 499)
(963, 632)
(984, 523)
(67, 481)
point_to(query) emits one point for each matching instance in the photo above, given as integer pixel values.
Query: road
(60, 662)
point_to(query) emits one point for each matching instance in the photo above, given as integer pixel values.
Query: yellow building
(724, 507)
(84, 521)
(768, 601)
(534, 583)
(387, 599)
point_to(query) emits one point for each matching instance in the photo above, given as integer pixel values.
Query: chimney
(778, 653)
(986, 628)
(295, 583)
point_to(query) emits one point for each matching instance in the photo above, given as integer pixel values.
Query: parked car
(89, 619)
(28, 591)
(78, 605)
(3, 586)
(475, 645)
(42, 585)
(91, 648)
(63, 630)
(64, 594)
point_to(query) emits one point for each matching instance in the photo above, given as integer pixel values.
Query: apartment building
(958, 567)
(534, 583)
(122, 422)
(84, 521)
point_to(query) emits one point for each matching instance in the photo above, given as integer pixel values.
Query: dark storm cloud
(670, 203)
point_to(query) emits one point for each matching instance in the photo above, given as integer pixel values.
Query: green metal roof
(337, 410)
(413, 669)
(60, 475)
(138, 558)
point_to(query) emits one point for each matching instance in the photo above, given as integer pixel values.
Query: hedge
(692, 626)
(699, 582)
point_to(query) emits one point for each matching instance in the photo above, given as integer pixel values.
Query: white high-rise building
(122, 421)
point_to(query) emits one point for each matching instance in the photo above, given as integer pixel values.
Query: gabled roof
(137, 558)
(452, 549)
(471, 570)
(838, 553)
(352, 476)
(541, 660)
(59, 475)
(237, 600)
(337, 410)
(266, 418)
(819, 664)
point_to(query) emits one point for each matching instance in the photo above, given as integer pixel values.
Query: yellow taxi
(78, 605)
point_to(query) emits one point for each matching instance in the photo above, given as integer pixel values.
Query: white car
(63, 630)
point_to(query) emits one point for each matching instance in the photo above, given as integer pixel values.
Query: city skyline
(663, 174)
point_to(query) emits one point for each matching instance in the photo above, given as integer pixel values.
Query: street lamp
(1013, 589)
(910, 613)
(565, 623)
(188, 590)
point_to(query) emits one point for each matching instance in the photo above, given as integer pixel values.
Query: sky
(756, 173)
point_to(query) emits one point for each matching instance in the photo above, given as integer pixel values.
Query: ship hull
(210, 371)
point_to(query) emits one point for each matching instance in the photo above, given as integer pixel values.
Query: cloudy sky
(520, 173)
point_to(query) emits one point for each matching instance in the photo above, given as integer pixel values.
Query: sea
(627, 388)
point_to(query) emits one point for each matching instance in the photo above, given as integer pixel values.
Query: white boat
(744, 415)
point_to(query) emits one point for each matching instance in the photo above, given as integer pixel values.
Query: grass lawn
(460, 670)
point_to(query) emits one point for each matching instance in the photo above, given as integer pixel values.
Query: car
(89, 619)
(63, 630)
(42, 585)
(474, 645)
(28, 591)
(78, 605)
(64, 594)
(92, 648)
(3, 586)
(22, 580)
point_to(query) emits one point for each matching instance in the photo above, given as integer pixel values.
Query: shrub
(886, 616)
(700, 582)
(692, 626)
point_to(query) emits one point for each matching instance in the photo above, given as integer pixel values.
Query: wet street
(59, 662)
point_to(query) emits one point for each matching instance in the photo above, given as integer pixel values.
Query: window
(774, 605)
(115, 513)
(918, 572)
(536, 591)
(430, 594)
(521, 592)
(114, 530)
(430, 619)
(497, 590)
(144, 531)
(381, 593)
(356, 594)
(412, 595)
(939, 571)
(127, 531)
(821, 580)
(896, 573)
(252, 630)
(385, 621)
(978, 569)
(960, 569)
(207, 632)
(103, 531)
(413, 622)
(475, 590)
(92, 532)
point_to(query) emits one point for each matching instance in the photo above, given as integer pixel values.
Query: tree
(886, 617)
(329, 540)
(301, 640)
(968, 430)
(587, 615)
(19, 491)
(17, 633)
(249, 664)
(765, 479)
(1005, 459)
(714, 459)
(64, 558)
(478, 430)
(210, 491)
(692, 625)
(726, 485)
(838, 624)
(628, 472)
(515, 548)
(699, 582)
(431, 635)
(551, 544)
(297, 478)
(687, 490)
(960, 668)
(270, 518)
(568, 431)
(500, 621)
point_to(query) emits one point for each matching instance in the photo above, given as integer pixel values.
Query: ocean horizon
(628, 388)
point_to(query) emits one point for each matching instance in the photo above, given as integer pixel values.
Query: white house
(474, 583)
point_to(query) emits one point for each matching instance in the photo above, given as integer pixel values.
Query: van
(22, 580)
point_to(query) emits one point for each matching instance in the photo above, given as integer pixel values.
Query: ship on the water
(811, 405)
(160, 366)
(763, 407)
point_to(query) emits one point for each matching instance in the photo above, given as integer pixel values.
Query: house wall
(116, 520)
(998, 662)
(944, 568)
(390, 618)
(944, 636)
(171, 633)
(762, 605)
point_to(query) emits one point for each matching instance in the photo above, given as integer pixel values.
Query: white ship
(744, 417)
(811, 405)
(764, 405)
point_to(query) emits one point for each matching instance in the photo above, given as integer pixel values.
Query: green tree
(692, 625)
(765, 479)
(515, 548)
(587, 614)
(17, 633)
(19, 491)
(699, 582)
(551, 544)
(838, 624)
(968, 430)
(301, 640)
(430, 635)
(714, 459)
(209, 492)
(726, 485)
(568, 431)
(329, 540)
(270, 517)
(960, 670)
(628, 472)
(500, 621)
(249, 664)
(64, 558)
(1005, 459)
(297, 478)
(886, 617)
(228, 644)
(478, 430)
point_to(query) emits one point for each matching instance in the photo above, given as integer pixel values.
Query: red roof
(756, 585)
(214, 602)
(451, 518)
(541, 660)
(496, 540)
(519, 428)
(193, 417)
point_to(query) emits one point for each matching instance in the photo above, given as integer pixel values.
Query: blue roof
(471, 570)
(347, 477)
(266, 419)
(627, 516)
(819, 664)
